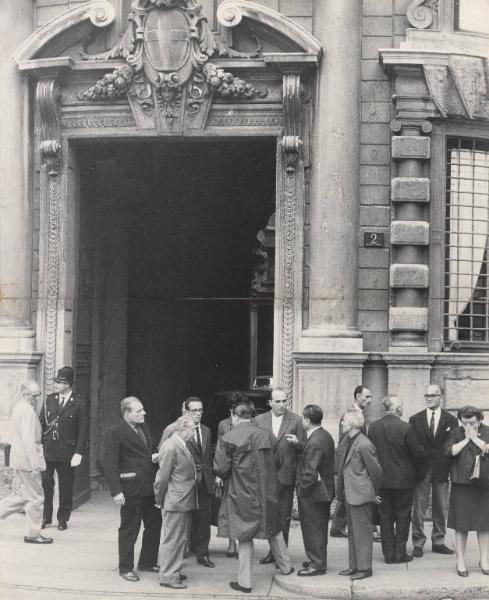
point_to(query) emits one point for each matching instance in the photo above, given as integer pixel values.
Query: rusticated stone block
(408, 319)
(410, 189)
(410, 146)
(409, 276)
(416, 233)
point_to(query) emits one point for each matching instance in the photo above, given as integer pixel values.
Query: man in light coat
(249, 508)
(27, 460)
(359, 483)
(176, 494)
(283, 423)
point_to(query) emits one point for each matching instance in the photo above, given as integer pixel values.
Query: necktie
(61, 402)
(199, 441)
(432, 425)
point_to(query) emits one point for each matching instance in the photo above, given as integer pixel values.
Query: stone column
(335, 177)
(16, 333)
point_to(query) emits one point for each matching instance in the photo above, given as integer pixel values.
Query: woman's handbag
(216, 503)
(479, 473)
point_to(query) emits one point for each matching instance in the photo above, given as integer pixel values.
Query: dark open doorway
(185, 217)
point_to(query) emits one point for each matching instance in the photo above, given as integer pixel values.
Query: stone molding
(409, 276)
(410, 146)
(411, 319)
(410, 189)
(416, 233)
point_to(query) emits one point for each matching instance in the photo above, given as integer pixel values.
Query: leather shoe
(231, 554)
(306, 563)
(268, 560)
(129, 576)
(288, 573)
(442, 549)
(347, 572)
(361, 575)
(463, 573)
(417, 552)
(310, 572)
(206, 561)
(175, 586)
(389, 560)
(338, 533)
(38, 540)
(239, 588)
(45, 523)
(62, 525)
(404, 559)
(182, 577)
(150, 568)
(485, 571)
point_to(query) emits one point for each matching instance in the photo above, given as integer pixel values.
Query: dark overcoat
(245, 460)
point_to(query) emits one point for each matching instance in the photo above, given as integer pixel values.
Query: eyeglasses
(195, 410)
(431, 395)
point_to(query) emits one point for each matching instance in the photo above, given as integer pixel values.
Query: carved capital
(411, 126)
(48, 99)
(420, 13)
(291, 141)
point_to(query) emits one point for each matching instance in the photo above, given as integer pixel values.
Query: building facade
(208, 191)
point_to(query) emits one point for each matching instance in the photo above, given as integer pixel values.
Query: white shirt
(437, 414)
(63, 399)
(195, 434)
(311, 431)
(276, 423)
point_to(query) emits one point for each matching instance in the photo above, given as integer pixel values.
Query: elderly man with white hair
(27, 461)
(397, 449)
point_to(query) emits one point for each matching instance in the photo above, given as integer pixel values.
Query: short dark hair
(358, 390)
(232, 398)
(192, 399)
(314, 413)
(467, 412)
(244, 410)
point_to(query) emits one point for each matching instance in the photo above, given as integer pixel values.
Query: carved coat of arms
(168, 78)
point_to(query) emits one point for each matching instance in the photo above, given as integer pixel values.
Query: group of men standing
(41, 445)
(259, 462)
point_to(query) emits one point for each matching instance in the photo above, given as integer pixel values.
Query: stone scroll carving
(420, 13)
(48, 98)
(291, 148)
(168, 78)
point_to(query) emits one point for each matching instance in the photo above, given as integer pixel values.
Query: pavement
(82, 564)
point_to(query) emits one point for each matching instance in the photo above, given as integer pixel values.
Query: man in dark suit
(396, 451)
(176, 494)
(315, 489)
(431, 427)
(282, 423)
(64, 423)
(200, 447)
(127, 463)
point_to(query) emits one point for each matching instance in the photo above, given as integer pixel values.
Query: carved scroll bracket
(291, 141)
(48, 99)
(420, 13)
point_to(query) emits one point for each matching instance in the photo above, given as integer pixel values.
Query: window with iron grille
(466, 312)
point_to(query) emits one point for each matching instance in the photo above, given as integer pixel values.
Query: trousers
(66, 480)
(246, 553)
(395, 520)
(173, 544)
(30, 498)
(439, 500)
(360, 536)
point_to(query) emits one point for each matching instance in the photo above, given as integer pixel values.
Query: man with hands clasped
(64, 423)
(127, 463)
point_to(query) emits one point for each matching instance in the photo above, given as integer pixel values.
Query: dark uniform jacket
(285, 453)
(245, 460)
(123, 452)
(432, 448)
(65, 431)
(461, 465)
(203, 460)
(315, 469)
(396, 449)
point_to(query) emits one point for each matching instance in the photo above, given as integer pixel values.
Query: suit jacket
(396, 451)
(315, 469)
(285, 453)
(175, 484)
(123, 452)
(26, 448)
(65, 431)
(360, 473)
(224, 426)
(431, 449)
(461, 465)
(203, 460)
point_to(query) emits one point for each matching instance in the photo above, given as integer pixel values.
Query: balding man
(27, 461)
(431, 427)
(127, 462)
(396, 451)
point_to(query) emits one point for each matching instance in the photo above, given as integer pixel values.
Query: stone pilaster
(409, 273)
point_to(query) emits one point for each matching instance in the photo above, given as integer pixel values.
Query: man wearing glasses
(283, 423)
(200, 447)
(431, 428)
